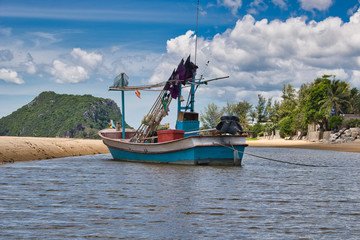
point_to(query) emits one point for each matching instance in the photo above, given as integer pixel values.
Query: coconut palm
(253, 115)
(338, 94)
(355, 100)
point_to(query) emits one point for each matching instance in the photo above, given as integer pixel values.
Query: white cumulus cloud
(355, 80)
(280, 3)
(260, 56)
(320, 5)
(234, 5)
(257, 6)
(91, 60)
(76, 67)
(355, 18)
(30, 64)
(30, 67)
(64, 73)
(10, 76)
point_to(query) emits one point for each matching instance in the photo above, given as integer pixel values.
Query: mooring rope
(270, 159)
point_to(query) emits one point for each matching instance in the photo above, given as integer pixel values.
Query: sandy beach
(281, 143)
(14, 149)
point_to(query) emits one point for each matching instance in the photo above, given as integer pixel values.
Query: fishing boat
(186, 144)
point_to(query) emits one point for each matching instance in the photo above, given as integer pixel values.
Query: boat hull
(193, 150)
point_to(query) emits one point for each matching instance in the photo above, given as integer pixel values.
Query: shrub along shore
(15, 149)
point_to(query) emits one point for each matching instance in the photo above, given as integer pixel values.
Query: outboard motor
(229, 124)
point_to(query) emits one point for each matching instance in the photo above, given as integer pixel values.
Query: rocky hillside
(61, 115)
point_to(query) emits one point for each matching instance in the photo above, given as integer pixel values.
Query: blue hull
(204, 155)
(193, 150)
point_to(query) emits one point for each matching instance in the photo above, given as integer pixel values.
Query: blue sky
(78, 47)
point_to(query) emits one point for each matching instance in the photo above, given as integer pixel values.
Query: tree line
(320, 102)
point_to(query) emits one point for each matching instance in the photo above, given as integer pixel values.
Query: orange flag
(137, 93)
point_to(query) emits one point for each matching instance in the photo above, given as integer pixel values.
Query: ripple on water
(94, 197)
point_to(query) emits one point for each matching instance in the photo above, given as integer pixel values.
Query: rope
(270, 159)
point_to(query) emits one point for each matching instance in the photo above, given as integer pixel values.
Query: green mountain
(61, 115)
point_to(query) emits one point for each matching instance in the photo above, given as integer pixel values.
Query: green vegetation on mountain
(61, 115)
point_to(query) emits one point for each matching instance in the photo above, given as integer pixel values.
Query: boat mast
(192, 89)
(196, 32)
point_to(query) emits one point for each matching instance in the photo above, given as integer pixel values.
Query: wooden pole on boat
(179, 103)
(123, 113)
(192, 91)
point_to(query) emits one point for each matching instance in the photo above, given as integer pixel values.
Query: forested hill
(61, 115)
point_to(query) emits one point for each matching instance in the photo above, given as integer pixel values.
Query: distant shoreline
(302, 144)
(14, 149)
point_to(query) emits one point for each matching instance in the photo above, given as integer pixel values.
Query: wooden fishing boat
(186, 144)
(193, 150)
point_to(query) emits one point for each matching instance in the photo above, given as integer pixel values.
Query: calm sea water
(94, 197)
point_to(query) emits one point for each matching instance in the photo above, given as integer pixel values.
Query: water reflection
(95, 197)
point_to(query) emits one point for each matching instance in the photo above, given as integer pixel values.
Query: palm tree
(355, 100)
(253, 115)
(338, 94)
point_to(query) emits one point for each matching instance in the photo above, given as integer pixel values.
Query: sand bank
(342, 147)
(32, 148)
(14, 149)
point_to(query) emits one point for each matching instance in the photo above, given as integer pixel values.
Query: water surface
(94, 197)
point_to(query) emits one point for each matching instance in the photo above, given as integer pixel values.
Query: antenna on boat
(197, 24)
